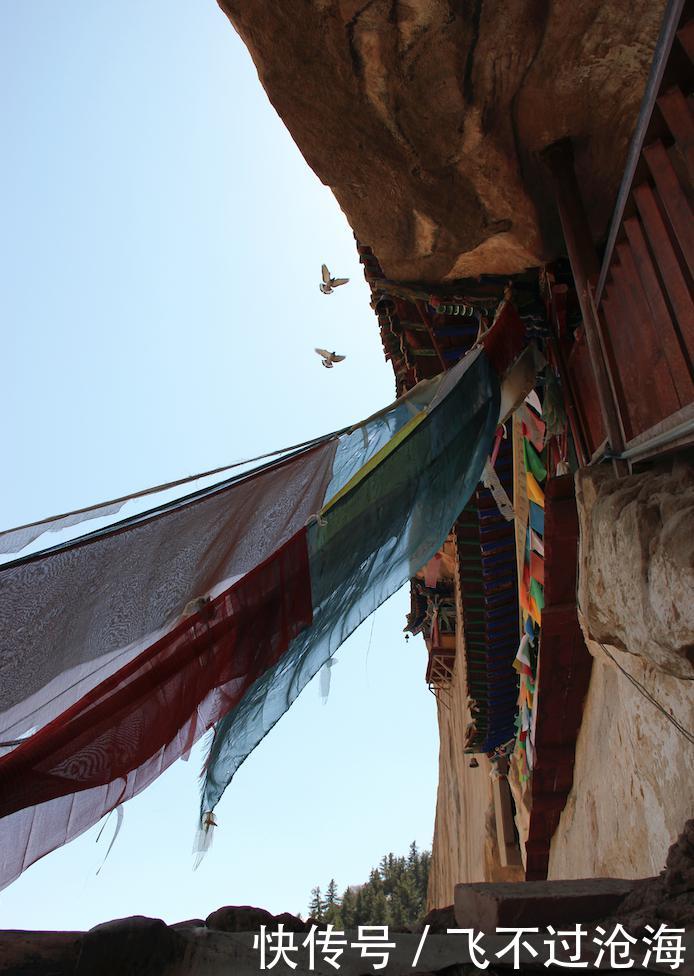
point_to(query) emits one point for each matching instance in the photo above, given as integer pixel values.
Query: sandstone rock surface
(669, 897)
(424, 118)
(633, 785)
(636, 563)
(465, 845)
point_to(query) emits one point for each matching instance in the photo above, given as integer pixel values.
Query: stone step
(487, 906)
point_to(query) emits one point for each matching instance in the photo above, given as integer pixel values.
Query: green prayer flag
(533, 462)
(537, 591)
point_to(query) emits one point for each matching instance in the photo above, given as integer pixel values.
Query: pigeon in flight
(328, 284)
(328, 358)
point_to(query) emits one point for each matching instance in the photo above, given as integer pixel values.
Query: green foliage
(316, 907)
(332, 904)
(348, 910)
(395, 895)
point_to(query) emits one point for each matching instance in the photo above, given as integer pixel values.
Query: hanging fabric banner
(75, 615)
(122, 647)
(176, 689)
(370, 540)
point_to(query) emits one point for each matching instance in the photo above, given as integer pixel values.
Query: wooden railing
(644, 299)
(631, 369)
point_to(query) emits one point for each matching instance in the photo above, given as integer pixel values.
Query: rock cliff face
(424, 117)
(632, 779)
(465, 845)
(633, 789)
(636, 575)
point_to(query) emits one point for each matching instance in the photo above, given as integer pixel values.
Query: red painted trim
(564, 675)
(192, 675)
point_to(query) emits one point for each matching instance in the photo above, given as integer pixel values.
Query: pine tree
(423, 877)
(380, 914)
(395, 895)
(348, 909)
(409, 903)
(379, 903)
(375, 880)
(332, 905)
(398, 915)
(316, 906)
(363, 910)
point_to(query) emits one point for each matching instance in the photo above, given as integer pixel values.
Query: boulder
(138, 946)
(439, 921)
(189, 923)
(294, 924)
(38, 953)
(239, 918)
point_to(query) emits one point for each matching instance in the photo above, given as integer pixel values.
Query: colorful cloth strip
(224, 602)
(531, 584)
(373, 538)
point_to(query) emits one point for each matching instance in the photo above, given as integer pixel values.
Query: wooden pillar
(509, 851)
(585, 268)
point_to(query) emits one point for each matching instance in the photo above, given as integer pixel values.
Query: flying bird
(328, 358)
(328, 284)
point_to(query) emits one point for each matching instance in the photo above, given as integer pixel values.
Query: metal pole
(660, 440)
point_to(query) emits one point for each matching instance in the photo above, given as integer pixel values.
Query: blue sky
(160, 260)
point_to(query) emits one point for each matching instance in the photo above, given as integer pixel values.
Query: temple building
(515, 607)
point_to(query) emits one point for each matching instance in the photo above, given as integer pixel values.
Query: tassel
(119, 824)
(320, 519)
(204, 838)
(490, 480)
(324, 686)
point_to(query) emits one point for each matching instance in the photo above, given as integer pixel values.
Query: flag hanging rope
(18, 538)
